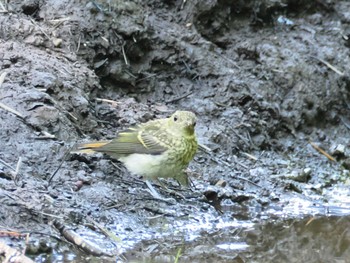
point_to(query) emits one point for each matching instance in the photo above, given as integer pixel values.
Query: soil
(269, 83)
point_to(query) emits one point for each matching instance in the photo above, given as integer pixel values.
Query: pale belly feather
(150, 166)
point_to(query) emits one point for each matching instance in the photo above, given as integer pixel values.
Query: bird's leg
(156, 195)
(153, 191)
(183, 179)
(170, 191)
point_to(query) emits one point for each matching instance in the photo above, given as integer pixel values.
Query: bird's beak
(191, 124)
(190, 127)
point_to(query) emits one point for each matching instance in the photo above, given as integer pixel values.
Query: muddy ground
(269, 82)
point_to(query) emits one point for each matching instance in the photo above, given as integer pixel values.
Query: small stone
(6, 63)
(78, 185)
(293, 187)
(300, 175)
(57, 42)
(338, 150)
(346, 163)
(307, 171)
(221, 183)
(42, 115)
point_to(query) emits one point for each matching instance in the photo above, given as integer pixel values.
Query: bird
(161, 148)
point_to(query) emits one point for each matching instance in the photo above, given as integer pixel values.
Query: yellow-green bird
(158, 148)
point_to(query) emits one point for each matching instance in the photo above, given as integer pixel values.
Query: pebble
(338, 150)
(302, 176)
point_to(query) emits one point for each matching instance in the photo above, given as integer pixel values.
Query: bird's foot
(156, 195)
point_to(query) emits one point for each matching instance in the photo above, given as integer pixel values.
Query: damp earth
(268, 81)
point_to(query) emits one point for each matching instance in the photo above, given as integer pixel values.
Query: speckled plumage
(158, 148)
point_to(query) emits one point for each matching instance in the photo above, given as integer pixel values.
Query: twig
(2, 77)
(116, 166)
(322, 151)
(79, 241)
(309, 221)
(2, 105)
(46, 136)
(179, 97)
(248, 181)
(204, 148)
(3, 9)
(235, 161)
(18, 166)
(7, 108)
(98, 6)
(57, 22)
(71, 115)
(228, 59)
(208, 151)
(35, 23)
(7, 165)
(250, 156)
(26, 244)
(219, 161)
(131, 182)
(345, 122)
(13, 255)
(178, 255)
(187, 67)
(240, 136)
(149, 76)
(46, 214)
(105, 39)
(78, 47)
(124, 55)
(107, 100)
(329, 66)
(13, 234)
(183, 4)
(105, 231)
(62, 109)
(59, 166)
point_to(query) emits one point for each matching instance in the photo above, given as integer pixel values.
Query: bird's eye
(175, 118)
(194, 124)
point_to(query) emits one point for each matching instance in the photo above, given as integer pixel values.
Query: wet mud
(269, 83)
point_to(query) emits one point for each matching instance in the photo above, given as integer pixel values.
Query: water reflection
(310, 239)
(233, 246)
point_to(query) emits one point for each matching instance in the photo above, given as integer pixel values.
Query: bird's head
(182, 122)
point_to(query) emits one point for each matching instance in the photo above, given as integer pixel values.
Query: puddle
(268, 83)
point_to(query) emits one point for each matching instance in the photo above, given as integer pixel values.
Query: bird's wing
(134, 140)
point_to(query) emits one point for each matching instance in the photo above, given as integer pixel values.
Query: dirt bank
(268, 81)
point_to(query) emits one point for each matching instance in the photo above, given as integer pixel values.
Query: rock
(302, 176)
(338, 150)
(221, 183)
(43, 116)
(57, 42)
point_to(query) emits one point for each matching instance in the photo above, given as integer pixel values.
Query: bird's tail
(90, 147)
